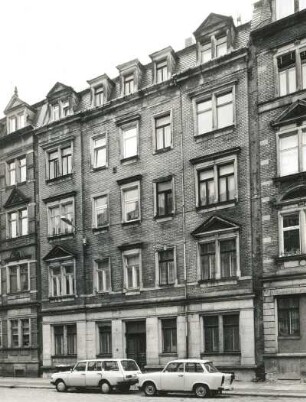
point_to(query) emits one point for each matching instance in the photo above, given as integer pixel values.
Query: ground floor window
(288, 316)
(169, 335)
(105, 338)
(20, 333)
(65, 340)
(221, 333)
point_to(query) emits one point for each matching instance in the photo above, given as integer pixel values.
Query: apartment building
(278, 40)
(19, 276)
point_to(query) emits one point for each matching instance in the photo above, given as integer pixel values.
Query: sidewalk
(276, 389)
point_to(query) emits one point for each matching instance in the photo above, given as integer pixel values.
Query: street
(50, 395)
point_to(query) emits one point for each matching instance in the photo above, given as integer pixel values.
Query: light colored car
(105, 374)
(189, 375)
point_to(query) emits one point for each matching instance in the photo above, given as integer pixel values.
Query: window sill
(290, 177)
(104, 355)
(132, 292)
(11, 186)
(18, 293)
(61, 236)
(168, 354)
(203, 354)
(136, 222)
(289, 337)
(233, 280)
(18, 237)
(223, 130)
(59, 178)
(292, 257)
(164, 218)
(130, 159)
(162, 150)
(74, 356)
(217, 205)
(101, 229)
(98, 168)
(61, 298)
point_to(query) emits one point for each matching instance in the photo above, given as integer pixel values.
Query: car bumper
(128, 382)
(226, 388)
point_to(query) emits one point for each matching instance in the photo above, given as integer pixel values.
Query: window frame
(60, 203)
(60, 109)
(213, 96)
(106, 289)
(288, 311)
(61, 264)
(155, 118)
(165, 70)
(18, 277)
(19, 222)
(165, 330)
(94, 211)
(125, 255)
(295, 4)
(20, 333)
(302, 229)
(94, 148)
(59, 149)
(123, 189)
(123, 129)
(17, 169)
(156, 192)
(157, 267)
(212, 44)
(98, 94)
(99, 326)
(64, 339)
(128, 78)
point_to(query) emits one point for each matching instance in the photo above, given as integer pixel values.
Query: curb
(25, 386)
(267, 394)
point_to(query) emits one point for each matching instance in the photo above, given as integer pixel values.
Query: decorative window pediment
(57, 253)
(18, 113)
(16, 198)
(214, 224)
(293, 114)
(295, 193)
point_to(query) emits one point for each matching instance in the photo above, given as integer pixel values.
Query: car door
(77, 375)
(111, 372)
(194, 373)
(172, 378)
(93, 373)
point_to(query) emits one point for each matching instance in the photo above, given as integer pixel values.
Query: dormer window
(56, 112)
(216, 47)
(221, 46)
(128, 84)
(288, 7)
(13, 124)
(161, 70)
(163, 64)
(16, 122)
(100, 90)
(99, 95)
(66, 108)
(60, 110)
(206, 53)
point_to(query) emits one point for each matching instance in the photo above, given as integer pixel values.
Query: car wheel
(149, 389)
(105, 387)
(61, 386)
(201, 391)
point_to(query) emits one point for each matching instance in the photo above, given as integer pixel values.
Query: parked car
(189, 375)
(106, 374)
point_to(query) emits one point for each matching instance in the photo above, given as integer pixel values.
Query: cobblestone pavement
(51, 395)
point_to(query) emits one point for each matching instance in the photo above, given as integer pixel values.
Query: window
(130, 202)
(164, 198)
(206, 52)
(288, 316)
(99, 154)
(18, 278)
(166, 267)
(60, 162)
(221, 333)
(65, 108)
(163, 132)
(169, 335)
(221, 46)
(99, 95)
(193, 368)
(17, 171)
(102, 270)
(12, 124)
(216, 183)
(18, 223)
(292, 70)
(218, 258)
(100, 216)
(61, 217)
(20, 333)
(128, 84)
(105, 338)
(288, 7)
(129, 141)
(132, 269)
(65, 340)
(292, 151)
(61, 109)
(215, 47)
(161, 70)
(215, 112)
(62, 278)
(292, 233)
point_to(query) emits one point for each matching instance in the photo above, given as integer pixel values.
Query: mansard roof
(58, 252)
(214, 224)
(294, 113)
(16, 198)
(212, 22)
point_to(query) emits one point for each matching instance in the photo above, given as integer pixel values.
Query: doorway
(136, 342)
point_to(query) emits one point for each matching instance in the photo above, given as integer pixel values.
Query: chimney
(189, 41)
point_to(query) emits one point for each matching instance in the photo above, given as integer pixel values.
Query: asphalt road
(50, 395)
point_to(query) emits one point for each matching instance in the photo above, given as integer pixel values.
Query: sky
(72, 41)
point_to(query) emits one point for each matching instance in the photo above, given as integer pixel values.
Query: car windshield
(129, 365)
(211, 368)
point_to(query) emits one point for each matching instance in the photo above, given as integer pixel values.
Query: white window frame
(215, 164)
(60, 203)
(98, 95)
(123, 189)
(19, 223)
(125, 80)
(62, 106)
(157, 268)
(302, 228)
(61, 264)
(94, 210)
(211, 45)
(165, 68)
(20, 334)
(130, 253)
(154, 136)
(106, 289)
(60, 157)
(95, 148)
(65, 337)
(212, 96)
(217, 237)
(14, 264)
(17, 169)
(295, 7)
(124, 128)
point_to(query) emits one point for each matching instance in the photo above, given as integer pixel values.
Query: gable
(212, 22)
(57, 253)
(59, 89)
(214, 224)
(16, 198)
(294, 113)
(15, 103)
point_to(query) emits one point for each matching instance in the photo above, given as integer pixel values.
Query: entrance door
(136, 342)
